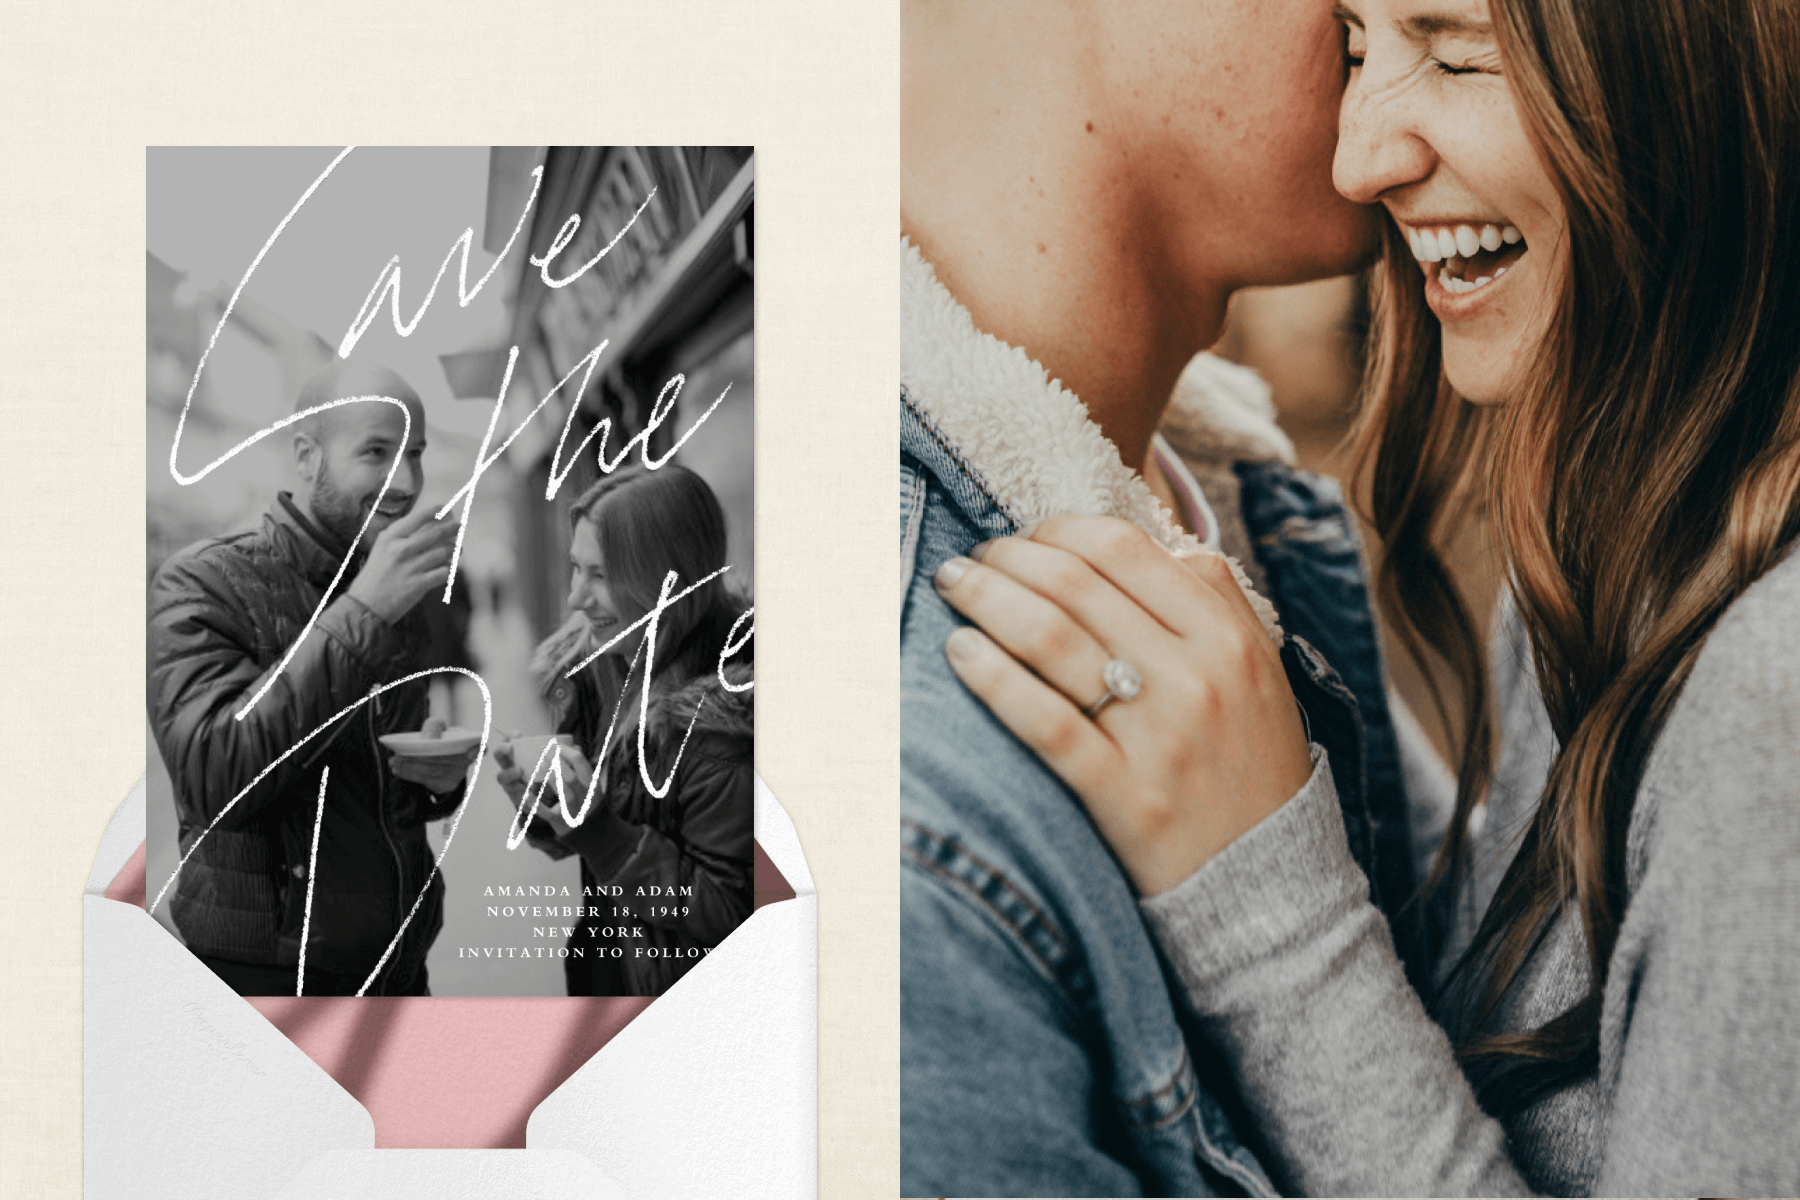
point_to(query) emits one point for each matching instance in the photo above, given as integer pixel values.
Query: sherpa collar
(1030, 438)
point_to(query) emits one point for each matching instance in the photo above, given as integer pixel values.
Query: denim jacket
(1042, 1050)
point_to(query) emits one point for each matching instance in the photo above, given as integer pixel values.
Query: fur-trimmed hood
(723, 712)
(1031, 439)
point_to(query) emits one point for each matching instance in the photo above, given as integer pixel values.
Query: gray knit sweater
(1355, 1088)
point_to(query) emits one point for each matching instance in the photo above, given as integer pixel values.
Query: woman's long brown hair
(1644, 474)
(647, 523)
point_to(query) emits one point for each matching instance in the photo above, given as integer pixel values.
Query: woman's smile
(1430, 130)
(1464, 261)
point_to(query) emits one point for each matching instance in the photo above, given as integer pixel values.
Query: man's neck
(1098, 327)
(319, 531)
(1051, 237)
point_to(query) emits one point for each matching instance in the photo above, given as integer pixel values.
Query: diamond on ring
(1122, 683)
(1122, 679)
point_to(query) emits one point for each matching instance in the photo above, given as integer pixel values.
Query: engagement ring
(1122, 683)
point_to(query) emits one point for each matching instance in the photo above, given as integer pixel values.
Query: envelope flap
(124, 834)
(776, 834)
(450, 1175)
(713, 1090)
(183, 1082)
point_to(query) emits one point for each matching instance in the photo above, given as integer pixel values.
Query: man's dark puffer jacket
(222, 613)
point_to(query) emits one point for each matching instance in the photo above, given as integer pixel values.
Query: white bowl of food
(433, 741)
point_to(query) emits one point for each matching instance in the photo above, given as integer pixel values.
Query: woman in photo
(666, 848)
(1587, 314)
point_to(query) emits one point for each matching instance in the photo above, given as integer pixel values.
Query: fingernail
(963, 644)
(951, 573)
(980, 549)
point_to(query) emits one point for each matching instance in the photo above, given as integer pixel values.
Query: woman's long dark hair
(647, 523)
(1645, 474)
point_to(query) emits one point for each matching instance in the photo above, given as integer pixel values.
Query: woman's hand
(579, 770)
(576, 774)
(1211, 745)
(514, 779)
(510, 778)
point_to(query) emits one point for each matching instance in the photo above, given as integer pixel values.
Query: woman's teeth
(1435, 245)
(1458, 246)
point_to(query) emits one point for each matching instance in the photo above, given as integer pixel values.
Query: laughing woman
(1589, 309)
(637, 846)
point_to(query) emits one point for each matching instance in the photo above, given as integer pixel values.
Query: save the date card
(450, 625)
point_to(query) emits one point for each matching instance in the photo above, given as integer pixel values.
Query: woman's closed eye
(1452, 54)
(1458, 53)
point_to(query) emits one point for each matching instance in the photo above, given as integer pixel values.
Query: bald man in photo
(223, 613)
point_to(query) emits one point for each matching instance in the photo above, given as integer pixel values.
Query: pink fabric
(129, 884)
(450, 1072)
(444, 1072)
(771, 886)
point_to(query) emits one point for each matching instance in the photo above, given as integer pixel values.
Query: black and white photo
(450, 625)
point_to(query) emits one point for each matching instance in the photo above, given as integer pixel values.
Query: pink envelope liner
(441, 1072)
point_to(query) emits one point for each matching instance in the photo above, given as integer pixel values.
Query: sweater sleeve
(1292, 973)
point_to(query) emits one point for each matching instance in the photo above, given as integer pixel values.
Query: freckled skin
(1214, 174)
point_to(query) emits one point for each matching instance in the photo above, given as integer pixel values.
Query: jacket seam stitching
(911, 528)
(1175, 1084)
(963, 885)
(1020, 944)
(999, 877)
(955, 456)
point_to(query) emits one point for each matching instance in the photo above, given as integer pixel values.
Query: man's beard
(337, 511)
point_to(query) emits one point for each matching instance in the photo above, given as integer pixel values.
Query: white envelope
(189, 1092)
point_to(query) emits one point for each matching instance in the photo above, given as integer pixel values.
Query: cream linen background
(85, 87)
